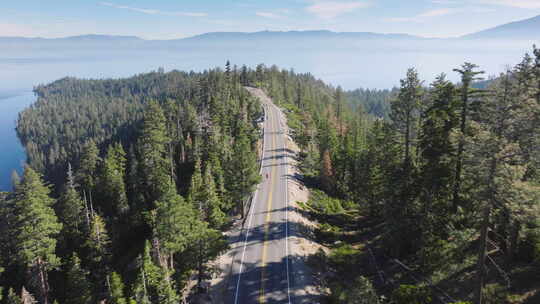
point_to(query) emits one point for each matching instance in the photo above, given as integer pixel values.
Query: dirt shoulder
(301, 229)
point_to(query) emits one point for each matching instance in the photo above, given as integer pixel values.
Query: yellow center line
(262, 298)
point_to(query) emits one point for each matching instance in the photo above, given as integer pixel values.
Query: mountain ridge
(522, 29)
(525, 28)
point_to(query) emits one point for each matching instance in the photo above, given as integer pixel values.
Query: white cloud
(530, 4)
(425, 15)
(153, 11)
(268, 15)
(437, 12)
(332, 9)
(273, 14)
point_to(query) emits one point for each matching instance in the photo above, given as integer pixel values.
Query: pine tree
(468, 75)
(154, 155)
(243, 171)
(71, 211)
(78, 288)
(113, 185)
(35, 229)
(339, 108)
(98, 246)
(212, 204)
(117, 289)
(152, 284)
(176, 225)
(87, 173)
(437, 149)
(327, 173)
(195, 195)
(406, 111)
(497, 167)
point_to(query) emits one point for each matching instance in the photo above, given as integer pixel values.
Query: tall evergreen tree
(152, 284)
(243, 171)
(87, 173)
(176, 226)
(114, 188)
(98, 247)
(154, 154)
(469, 74)
(72, 213)
(497, 167)
(214, 214)
(35, 228)
(406, 112)
(77, 289)
(117, 289)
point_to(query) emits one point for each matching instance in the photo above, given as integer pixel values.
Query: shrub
(360, 292)
(344, 259)
(411, 294)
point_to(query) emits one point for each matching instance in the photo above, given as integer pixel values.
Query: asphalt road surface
(261, 270)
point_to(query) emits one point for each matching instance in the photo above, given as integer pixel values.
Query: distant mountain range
(523, 29)
(528, 29)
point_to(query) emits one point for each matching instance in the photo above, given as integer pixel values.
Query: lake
(366, 64)
(12, 155)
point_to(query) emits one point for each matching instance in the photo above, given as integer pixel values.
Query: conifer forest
(425, 193)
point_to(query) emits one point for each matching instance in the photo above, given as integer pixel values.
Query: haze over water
(349, 63)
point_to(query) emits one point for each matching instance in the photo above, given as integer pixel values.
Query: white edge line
(287, 223)
(286, 211)
(251, 217)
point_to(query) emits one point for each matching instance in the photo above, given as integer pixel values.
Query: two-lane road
(261, 268)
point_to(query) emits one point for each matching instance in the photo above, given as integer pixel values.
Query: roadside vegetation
(428, 193)
(438, 201)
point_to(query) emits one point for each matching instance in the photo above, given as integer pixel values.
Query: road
(261, 270)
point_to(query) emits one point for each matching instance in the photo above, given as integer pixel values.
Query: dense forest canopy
(132, 182)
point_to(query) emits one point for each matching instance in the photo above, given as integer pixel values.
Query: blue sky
(168, 19)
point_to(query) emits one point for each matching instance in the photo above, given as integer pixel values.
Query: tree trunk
(44, 285)
(515, 227)
(461, 146)
(481, 271)
(407, 138)
(481, 268)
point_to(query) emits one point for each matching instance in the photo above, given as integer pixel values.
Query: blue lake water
(12, 155)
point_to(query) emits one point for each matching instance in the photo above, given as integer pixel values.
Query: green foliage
(12, 297)
(324, 204)
(71, 209)
(411, 294)
(343, 258)
(113, 180)
(98, 249)
(243, 170)
(374, 102)
(77, 289)
(88, 165)
(406, 111)
(36, 225)
(361, 291)
(213, 205)
(155, 164)
(176, 222)
(152, 284)
(495, 294)
(117, 289)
